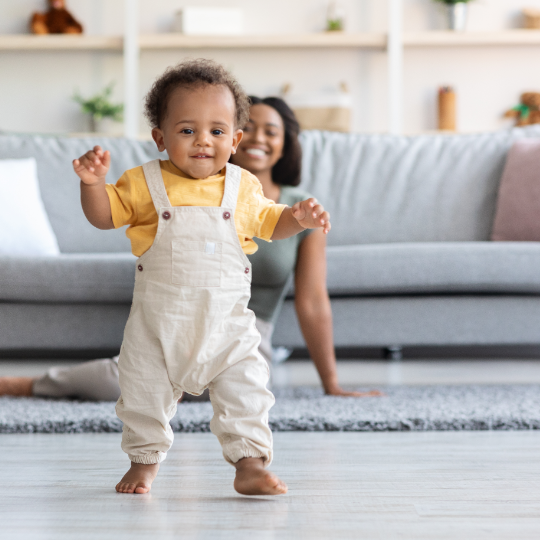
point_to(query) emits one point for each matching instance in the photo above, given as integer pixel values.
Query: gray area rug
(403, 408)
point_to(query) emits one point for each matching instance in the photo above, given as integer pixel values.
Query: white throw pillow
(25, 229)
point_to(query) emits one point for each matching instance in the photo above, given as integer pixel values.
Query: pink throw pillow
(518, 208)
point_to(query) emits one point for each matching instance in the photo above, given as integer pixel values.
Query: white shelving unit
(393, 43)
(373, 40)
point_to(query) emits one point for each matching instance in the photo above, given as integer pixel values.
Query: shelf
(28, 42)
(456, 39)
(329, 39)
(22, 42)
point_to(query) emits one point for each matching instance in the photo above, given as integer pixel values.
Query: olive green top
(273, 265)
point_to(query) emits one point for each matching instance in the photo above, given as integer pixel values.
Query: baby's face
(199, 131)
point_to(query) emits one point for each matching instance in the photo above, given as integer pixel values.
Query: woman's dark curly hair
(192, 74)
(286, 171)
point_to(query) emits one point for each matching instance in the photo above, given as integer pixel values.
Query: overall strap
(154, 181)
(233, 176)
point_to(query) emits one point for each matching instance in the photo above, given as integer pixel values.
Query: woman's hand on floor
(344, 393)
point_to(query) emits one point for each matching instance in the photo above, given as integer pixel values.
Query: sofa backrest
(60, 185)
(378, 188)
(383, 188)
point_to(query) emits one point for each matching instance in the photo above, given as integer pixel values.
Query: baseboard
(479, 352)
(60, 354)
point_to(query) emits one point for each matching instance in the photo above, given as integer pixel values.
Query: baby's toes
(275, 484)
(281, 487)
(127, 488)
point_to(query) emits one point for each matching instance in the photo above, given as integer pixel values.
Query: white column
(131, 69)
(395, 66)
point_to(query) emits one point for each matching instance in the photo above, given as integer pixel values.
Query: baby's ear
(237, 137)
(157, 135)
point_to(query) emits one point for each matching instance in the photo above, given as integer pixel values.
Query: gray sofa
(409, 259)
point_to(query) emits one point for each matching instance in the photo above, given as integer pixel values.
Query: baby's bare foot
(16, 386)
(253, 479)
(138, 479)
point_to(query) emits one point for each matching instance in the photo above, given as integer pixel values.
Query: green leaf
(99, 106)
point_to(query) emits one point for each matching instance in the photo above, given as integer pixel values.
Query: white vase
(457, 16)
(106, 126)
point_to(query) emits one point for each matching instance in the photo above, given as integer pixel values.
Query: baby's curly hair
(190, 74)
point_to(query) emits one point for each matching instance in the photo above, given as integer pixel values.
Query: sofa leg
(394, 352)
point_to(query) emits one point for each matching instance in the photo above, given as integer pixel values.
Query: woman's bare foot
(253, 479)
(16, 386)
(138, 479)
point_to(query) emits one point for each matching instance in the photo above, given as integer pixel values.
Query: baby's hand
(311, 215)
(93, 166)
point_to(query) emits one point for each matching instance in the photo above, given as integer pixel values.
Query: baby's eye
(217, 132)
(187, 131)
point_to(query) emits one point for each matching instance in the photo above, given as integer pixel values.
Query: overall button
(226, 215)
(246, 271)
(140, 268)
(166, 215)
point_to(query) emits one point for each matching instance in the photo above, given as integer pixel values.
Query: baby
(192, 220)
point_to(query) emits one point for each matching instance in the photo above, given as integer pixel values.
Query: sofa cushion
(443, 267)
(380, 269)
(25, 229)
(518, 204)
(426, 188)
(60, 185)
(97, 277)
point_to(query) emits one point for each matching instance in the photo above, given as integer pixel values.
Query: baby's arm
(92, 169)
(303, 215)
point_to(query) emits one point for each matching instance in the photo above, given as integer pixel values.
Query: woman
(271, 151)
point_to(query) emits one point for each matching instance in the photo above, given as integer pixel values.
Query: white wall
(36, 87)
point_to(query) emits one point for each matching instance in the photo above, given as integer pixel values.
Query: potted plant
(457, 13)
(102, 112)
(334, 17)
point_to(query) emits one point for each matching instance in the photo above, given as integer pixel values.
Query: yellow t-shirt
(131, 204)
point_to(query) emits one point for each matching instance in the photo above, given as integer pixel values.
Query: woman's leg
(95, 380)
(98, 379)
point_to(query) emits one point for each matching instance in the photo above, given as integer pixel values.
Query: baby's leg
(146, 406)
(241, 402)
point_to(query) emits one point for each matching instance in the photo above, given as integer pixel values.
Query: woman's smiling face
(263, 140)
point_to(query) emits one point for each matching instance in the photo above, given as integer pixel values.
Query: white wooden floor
(468, 485)
(438, 485)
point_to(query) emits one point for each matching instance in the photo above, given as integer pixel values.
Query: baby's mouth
(202, 156)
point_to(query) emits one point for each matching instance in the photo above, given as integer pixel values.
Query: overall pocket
(196, 264)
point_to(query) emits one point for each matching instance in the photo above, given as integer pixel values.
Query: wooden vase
(447, 109)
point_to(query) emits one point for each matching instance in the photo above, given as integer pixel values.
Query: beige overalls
(189, 328)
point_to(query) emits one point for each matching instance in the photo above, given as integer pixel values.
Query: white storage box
(210, 21)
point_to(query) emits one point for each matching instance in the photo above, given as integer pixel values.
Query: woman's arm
(315, 313)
